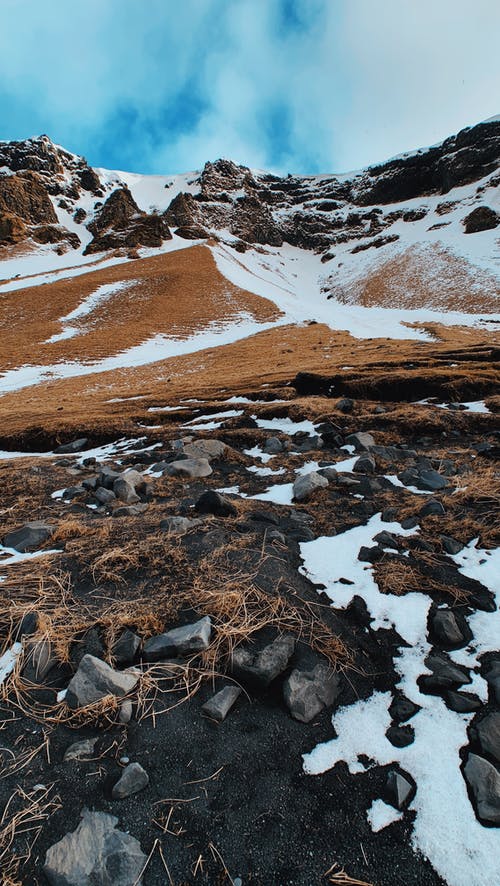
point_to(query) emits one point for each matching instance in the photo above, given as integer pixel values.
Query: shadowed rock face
(120, 223)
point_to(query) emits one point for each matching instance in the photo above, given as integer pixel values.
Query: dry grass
(394, 577)
(21, 823)
(337, 874)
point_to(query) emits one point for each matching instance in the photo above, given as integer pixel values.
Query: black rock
(29, 537)
(484, 781)
(262, 667)
(409, 523)
(370, 555)
(359, 611)
(491, 673)
(398, 789)
(74, 446)
(386, 540)
(486, 733)
(448, 629)
(345, 405)
(451, 545)
(433, 507)
(126, 647)
(402, 708)
(211, 502)
(445, 675)
(462, 702)
(400, 736)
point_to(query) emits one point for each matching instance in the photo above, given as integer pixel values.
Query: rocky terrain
(249, 522)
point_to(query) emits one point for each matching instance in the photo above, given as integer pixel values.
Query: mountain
(248, 445)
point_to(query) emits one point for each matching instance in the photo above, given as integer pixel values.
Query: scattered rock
(211, 502)
(192, 468)
(451, 545)
(425, 479)
(398, 789)
(345, 405)
(432, 507)
(179, 641)
(126, 647)
(261, 668)
(29, 537)
(370, 555)
(462, 702)
(125, 491)
(130, 510)
(401, 708)
(74, 446)
(486, 733)
(305, 487)
(400, 736)
(306, 693)
(481, 219)
(362, 440)
(178, 524)
(133, 779)
(492, 677)
(484, 781)
(205, 449)
(80, 750)
(218, 707)
(273, 446)
(105, 496)
(125, 712)
(96, 852)
(94, 680)
(445, 675)
(386, 540)
(365, 464)
(448, 629)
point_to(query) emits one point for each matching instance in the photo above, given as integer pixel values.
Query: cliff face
(52, 196)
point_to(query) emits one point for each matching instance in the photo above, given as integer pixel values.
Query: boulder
(361, 441)
(178, 524)
(400, 736)
(29, 537)
(487, 735)
(481, 219)
(451, 545)
(261, 668)
(208, 449)
(365, 464)
(462, 702)
(448, 629)
(179, 641)
(273, 446)
(345, 405)
(104, 496)
(125, 491)
(433, 508)
(130, 510)
(94, 680)
(218, 707)
(304, 487)
(95, 853)
(401, 708)
(211, 502)
(73, 446)
(445, 675)
(484, 781)
(306, 693)
(133, 779)
(191, 468)
(492, 677)
(425, 479)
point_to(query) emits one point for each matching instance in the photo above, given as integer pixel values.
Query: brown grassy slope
(424, 277)
(176, 294)
(271, 357)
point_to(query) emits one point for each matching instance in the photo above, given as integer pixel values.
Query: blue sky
(288, 85)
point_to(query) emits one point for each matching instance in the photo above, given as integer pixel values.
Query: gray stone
(72, 492)
(107, 477)
(484, 781)
(305, 487)
(218, 707)
(179, 641)
(191, 468)
(449, 629)
(133, 779)
(211, 502)
(208, 449)
(425, 479)
(261, 668)
(126, 647)
(306, 693)
(104, 495)
(487, 734)
(387, 540)
(273, 446)
(135, 478)
(94, 680)
(362, 440)
(345, 405)
(74, 446)
(125, 491)
(178, 524)
(95, 853)
(398, 789)
(130, 510)
(125, 712)
(365, 464)
(29, 537)
(80, 750)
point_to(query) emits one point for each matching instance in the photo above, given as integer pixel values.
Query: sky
(302, 86)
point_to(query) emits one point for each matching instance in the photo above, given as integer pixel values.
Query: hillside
(249, 522)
